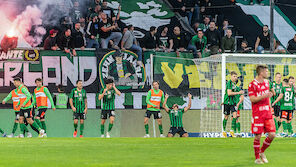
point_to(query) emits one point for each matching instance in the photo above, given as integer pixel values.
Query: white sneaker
(102, 136)
(147, 136)
(45, 135)
(162, 136)
(107, 135)
(29, 135)
(21, 136)
(10, 136)
(41, 133)
(263, 157)
(259, 162)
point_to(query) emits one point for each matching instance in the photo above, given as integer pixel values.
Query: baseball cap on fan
(52, 31)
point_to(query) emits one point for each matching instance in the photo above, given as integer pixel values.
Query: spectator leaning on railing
(129, 42)
(92, 31)
(177, 41)
(108, 32)
(292, 45)
(228, 42)
(78, 37)
(149, 40)
(263, 41)
(198, 44)
(213, 38)
(244, 47)
(50, 42)
(65, 42)
(163, 39)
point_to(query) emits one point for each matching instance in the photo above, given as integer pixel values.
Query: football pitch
(141, 152)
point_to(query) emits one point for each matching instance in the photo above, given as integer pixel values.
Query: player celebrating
(15, 99)
(40, 95)
(262, 121)
(176, 116)
(26, 107)
(154, 98)
(286, 98)
(239, 106)
(229, 103)
(108, 96)
(277, 88)
(78, 103)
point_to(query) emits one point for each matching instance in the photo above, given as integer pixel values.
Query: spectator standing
(65, 42)
(263, 41)
(107, 32)
(292, 45)
(76, 13)
(92, 31)
(50, 42)
(78, 37)
(177, 40)
(213, 38)
(193, 11)
(163, 39)
(108, 11)
(224, 28)
(180, 7)
(198, 44)
(129, 42)
(149, 40)
(228, 42)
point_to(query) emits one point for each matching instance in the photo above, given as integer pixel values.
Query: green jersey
(237, 98)
(79, 98)
(176, 118)
(230, 100)
(278, 89)
(108, 99)
(288, 98)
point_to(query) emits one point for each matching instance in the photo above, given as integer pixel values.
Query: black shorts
(27, 113)
(156, 114)
(287, 114)
(276, 110)
(107, 114)
(181, 131)
(41, 113)
(79, 116)
(17, 115)
(229, 109)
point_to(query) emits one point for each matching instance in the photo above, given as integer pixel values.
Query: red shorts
(237, 114)
(262, 125)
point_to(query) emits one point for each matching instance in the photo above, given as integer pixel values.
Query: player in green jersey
(239, 106)
(286, 98)
(176, 117)
(108, 107)
(276, 89)
(229, 103)
(78, 103)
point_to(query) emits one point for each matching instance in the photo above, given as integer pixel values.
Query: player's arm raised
(101, 95)
(278, 99)
(165, 102)
(116, 90)
(189, 103)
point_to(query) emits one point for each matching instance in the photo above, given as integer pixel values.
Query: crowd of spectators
(101, 27)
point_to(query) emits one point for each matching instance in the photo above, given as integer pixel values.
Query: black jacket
(291, 46)
(65, 42)
(213, 37)
(78, 39)
(149, 41)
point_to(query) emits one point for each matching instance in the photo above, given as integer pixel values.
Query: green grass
(140, 152)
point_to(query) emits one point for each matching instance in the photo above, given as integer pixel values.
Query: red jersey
(261, 108)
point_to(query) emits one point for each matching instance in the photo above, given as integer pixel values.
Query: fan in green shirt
(108, 96)
(176, 117)
(229, 103)
(78, 103)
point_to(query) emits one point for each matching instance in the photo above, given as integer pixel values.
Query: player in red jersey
(262, 121)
